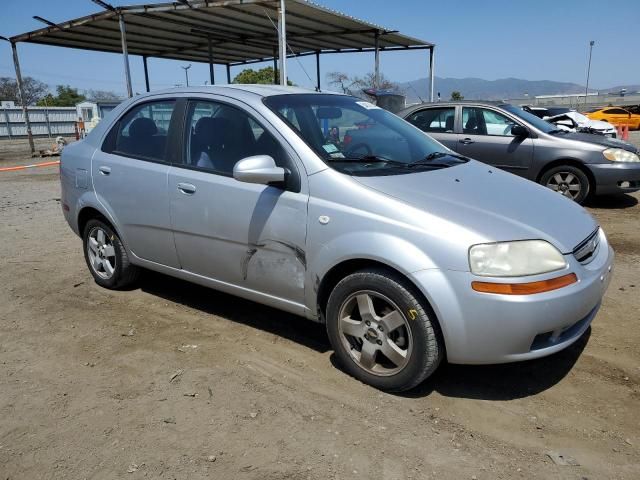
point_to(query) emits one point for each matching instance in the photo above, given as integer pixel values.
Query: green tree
(66, 97)
(456, 95)
(34, 90)
(263, 76)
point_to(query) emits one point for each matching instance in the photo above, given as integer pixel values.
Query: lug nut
(380, 328)
(379, 342)
(367, 322)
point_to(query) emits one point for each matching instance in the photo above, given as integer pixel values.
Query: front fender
(399, 254)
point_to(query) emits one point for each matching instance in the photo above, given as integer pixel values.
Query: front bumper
(481, 328)
(610, 177)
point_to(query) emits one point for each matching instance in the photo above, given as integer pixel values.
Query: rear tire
(569, 181)
(382, 331)
(106, 256)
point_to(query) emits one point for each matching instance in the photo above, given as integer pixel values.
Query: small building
(92, 112)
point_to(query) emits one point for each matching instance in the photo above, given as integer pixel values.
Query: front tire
(569, 181)
(383, 333)
(106, 257)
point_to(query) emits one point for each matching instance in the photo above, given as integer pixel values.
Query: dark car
(575, 164)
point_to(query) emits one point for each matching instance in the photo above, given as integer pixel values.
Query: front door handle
(187, 188)
(466, 141)
(105, 170)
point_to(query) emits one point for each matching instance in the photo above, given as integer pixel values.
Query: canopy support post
(228, 73)
(125, 55)
(146, 72)
(431, 72)
(282, 42)
(376, 70)
(25, 110)
(211, 79)
(318, 70)
(275, 66)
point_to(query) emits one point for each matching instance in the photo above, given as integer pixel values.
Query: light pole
(586, 89)
(186, 73)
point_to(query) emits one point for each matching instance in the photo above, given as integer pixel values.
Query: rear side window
(616, 111)
(438, 120)
(142, 132)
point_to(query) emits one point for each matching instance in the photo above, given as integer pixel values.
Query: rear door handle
(466, 141)
(187, 188)
(105, 170)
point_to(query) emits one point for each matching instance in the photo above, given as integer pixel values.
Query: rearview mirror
(261, 169)
(328, 113)
(519, 131)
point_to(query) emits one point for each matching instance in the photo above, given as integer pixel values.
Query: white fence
(45, 121)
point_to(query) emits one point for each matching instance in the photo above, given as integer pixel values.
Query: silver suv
(409, 252)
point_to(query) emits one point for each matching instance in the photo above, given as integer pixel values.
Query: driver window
(482, 121)
(218, 135)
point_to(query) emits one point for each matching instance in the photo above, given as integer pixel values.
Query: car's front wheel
(106, 257)
(567, 180)
(382, 331)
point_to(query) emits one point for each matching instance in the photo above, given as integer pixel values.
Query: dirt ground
(171, 380)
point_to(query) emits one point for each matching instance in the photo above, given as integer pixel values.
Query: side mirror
(519, 131)
(259, 169)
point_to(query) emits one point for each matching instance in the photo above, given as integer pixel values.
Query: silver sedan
(410, 253)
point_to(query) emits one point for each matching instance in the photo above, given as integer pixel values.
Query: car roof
(477, 103)
(262, 90)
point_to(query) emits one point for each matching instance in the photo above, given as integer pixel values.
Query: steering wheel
(359, 146)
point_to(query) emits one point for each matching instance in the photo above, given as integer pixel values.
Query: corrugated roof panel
(241, 31)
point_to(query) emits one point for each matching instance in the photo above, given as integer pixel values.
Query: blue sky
(490, 39)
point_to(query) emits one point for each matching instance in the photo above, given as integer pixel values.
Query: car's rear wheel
(569, 181)
(382, 331)
(106, 257)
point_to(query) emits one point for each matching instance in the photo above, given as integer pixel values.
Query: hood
(495, 205)
(599, 140)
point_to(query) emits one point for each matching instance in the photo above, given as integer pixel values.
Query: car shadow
(607, 202)
(480, 382)
(292, 327)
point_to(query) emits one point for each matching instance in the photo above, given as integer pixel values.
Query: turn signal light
(525, 288)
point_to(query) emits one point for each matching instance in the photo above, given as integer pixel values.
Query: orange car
(616, 116)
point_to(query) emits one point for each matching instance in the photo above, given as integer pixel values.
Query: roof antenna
(104, 5)
(290, 49)
(416, 92)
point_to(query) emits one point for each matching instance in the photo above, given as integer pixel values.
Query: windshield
(359, 138)
(537, 122)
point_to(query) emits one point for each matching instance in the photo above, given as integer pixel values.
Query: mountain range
(504, 88)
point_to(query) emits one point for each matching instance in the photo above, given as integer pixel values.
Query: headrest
(207, 126)
(142, 127)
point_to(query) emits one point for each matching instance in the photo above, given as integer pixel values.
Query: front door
(130, 179)
(486, 136)
(246, 235)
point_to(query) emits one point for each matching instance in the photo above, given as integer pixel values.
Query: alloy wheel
(565, 183)
(375, 333)
(102, 254)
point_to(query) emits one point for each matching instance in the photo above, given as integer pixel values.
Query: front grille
(588, 248)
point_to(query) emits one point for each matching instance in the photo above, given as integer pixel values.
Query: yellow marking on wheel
(413, 314)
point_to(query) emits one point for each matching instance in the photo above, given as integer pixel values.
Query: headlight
(620, 155)
(514, 259)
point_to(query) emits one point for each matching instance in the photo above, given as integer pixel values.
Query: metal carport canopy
(233, 32)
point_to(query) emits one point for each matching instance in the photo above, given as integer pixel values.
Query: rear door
(486, 136)
(130, 178)
(438, 122)
(247, 235)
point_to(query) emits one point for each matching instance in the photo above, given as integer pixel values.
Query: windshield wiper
(557, 130)
(428, 160)
(368, 159)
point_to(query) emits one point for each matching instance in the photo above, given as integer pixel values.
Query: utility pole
(282, 42)
(186, 73)
(586, 89)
